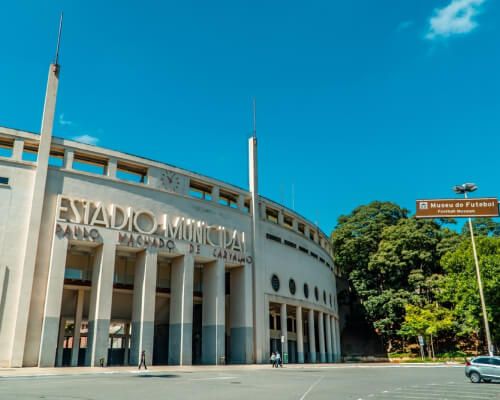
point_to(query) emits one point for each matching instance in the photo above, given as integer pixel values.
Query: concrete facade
(104, 255)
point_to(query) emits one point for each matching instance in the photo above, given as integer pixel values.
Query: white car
(483, 368)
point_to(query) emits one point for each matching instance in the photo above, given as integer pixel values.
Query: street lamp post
(464, 189)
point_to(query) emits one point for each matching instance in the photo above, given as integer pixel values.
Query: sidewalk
(62, 371)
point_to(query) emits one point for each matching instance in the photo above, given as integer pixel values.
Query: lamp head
(465, 188)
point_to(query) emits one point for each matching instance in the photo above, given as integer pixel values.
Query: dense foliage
(417, 277)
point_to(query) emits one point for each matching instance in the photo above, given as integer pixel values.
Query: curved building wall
(167, 288)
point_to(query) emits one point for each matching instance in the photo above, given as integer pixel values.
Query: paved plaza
(358, 382)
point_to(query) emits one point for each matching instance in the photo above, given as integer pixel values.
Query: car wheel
(475, 377)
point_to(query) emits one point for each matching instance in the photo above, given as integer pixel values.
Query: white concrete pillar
(281, 219)
(181, 311)
(213, 313)
(101, 297)
(53, 299)
(126, 344)
(321, 337)
(284, 329)
(29, 246)
(143, 306)
(241, 202)
(337, 339)
(80, 297)
(60, 342)
(215, 194)
(111, 168)
(300, 336)
(329, 351)
(17, 150)
(336, 347)
(241, 315)
(311, 337)
(69, 156)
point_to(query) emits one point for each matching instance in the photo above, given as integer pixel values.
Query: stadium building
(105, 254)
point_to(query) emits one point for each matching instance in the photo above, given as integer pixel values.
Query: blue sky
(356, 101)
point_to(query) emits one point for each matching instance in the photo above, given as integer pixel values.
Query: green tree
(429, 321)
(482, 227)
(459, 289)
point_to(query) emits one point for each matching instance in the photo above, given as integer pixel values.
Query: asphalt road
(333, 383)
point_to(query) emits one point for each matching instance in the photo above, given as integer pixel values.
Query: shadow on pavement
(157, 376)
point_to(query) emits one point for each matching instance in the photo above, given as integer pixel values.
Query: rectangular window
(273, 237)
(291, 244)
(288, 221)
(6, 147)
(4, 180)
(90, 164)
(56, 158)
(228, 199)
(131, 173)
(314, 255)
(29, 156)
(302, 228)
(272, 215)
(311, 234)
(322, 260)
(246, 207)
(303, 249)
(200, 191)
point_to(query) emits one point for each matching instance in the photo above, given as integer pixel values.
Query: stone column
(143, 306)
(215, 194)
(60, 342)
(241, 315)
(126, 346)
(334, 345)
(213, 313)
(17, 150)
(312, 340)
(300, 336)
(69, 156)
(321, 337)
(181, 311)
(329, 352)
(284, 329)
(53, 299)
(337, 339)
(101, 296)
(80, 297)
(112, 168)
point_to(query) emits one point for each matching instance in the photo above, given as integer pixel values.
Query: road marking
(214, 378)
(310, 388)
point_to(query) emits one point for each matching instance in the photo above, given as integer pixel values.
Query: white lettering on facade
(145, 222)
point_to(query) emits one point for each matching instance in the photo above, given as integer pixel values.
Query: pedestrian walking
(273, 359)
(143, 360)
(278, 359)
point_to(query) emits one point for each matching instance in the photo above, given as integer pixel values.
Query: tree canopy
(416, 277)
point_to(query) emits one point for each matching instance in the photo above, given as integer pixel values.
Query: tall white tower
(27, 269)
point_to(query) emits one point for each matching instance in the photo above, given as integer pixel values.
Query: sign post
(457, 208)
(460, 208)
(421, 343)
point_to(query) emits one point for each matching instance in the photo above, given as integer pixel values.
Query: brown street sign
(457, 208)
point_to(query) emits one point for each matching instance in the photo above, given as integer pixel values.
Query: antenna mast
(59, 39)
(254, 119)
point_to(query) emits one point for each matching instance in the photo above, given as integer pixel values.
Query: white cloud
(456, 18)
(86, 139)
(64, 122)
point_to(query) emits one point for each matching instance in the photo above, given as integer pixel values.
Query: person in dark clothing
(143, 360)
